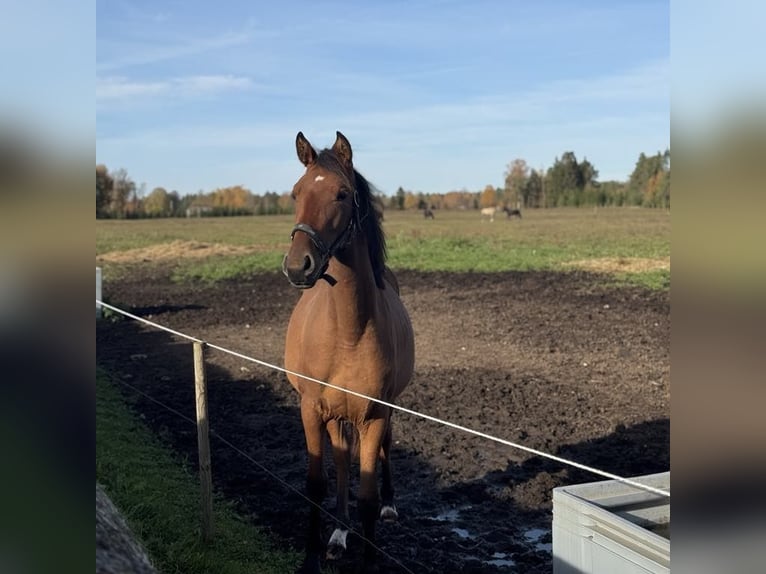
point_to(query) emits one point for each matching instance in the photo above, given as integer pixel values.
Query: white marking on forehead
(319, 178)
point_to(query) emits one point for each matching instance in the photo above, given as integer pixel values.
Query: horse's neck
(354, 294)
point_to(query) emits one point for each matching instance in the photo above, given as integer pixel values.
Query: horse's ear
(342, 149)
(306, 152)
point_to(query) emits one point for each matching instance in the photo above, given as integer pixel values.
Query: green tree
(588, 173)
(399, 198)
(569, 182)
(175, 204)
(564, 181)
(533, 190)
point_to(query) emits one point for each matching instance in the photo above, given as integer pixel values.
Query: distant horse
(512, 212)
(490, 211)
(428, 214)
(350, 329)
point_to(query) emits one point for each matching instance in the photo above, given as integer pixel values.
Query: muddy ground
(556, 361)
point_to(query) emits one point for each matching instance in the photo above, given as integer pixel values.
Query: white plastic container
(609, 527)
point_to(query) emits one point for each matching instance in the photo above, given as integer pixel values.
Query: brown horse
(350, 329)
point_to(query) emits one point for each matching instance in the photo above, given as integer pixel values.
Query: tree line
(119, 197)
(568, 182)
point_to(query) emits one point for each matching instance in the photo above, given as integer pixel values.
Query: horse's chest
(363, 361)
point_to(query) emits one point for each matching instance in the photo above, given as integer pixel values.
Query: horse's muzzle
(303, 270)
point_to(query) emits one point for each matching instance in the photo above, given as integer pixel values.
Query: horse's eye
(292, 196)
(342, 195)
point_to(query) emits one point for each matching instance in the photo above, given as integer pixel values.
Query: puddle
(450, 515)
(500, 559)
(462, 532)
(534, 535)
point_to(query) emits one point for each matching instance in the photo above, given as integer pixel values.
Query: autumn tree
(104, 186)
(410, 200)
(232, 200)
(158, 203)
(435, 200)
(458, 200)
(488, 197)
(649, 184)
(516, 175)
(285, 203)
(123, 191)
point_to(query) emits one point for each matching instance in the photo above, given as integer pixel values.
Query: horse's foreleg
(388, 508)
(371, 439)
(340, 451)
(316, 485)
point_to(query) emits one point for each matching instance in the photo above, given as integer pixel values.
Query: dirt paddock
(555, 361)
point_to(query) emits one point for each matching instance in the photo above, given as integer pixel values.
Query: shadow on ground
(465, 506)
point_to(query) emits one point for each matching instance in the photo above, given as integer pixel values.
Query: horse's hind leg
(388, 508)
(316, 485)
(340, 451)
(371, 439)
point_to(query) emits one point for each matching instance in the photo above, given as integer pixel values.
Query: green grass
(159, 496)
(548, 239)
(228, 267)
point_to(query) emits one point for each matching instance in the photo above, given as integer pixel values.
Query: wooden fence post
(203, 442)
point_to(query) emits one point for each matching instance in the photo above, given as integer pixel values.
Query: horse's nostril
(308, 264)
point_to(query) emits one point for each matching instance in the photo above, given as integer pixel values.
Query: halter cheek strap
(341, 241)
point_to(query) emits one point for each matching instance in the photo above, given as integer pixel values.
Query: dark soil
(557, 362)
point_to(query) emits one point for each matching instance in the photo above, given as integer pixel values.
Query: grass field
(159, 496)
(627, 244)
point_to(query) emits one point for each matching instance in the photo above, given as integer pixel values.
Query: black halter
(328, 252)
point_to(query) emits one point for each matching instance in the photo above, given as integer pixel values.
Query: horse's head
(326, 215)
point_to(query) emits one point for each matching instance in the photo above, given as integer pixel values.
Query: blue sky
(433, 95)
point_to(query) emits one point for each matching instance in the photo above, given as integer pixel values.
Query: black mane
(367, 212)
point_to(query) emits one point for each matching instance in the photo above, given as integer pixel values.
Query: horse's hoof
(337, 544)
(389, 514)
(334, 552)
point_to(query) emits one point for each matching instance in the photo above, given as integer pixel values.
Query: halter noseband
(341, 241)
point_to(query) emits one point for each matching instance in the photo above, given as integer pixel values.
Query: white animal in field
(490, 211)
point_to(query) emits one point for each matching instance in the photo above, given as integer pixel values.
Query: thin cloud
(113, 89)
(485, 118)
(152, 54)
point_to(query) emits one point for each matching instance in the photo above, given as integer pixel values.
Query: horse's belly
(379, 365)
